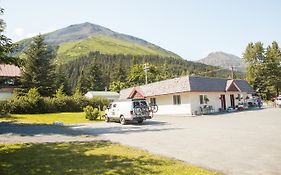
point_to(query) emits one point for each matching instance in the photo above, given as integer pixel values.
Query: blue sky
(191, 29)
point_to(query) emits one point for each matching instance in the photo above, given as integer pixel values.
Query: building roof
(9, 70)
(188, 84)
(106, 94)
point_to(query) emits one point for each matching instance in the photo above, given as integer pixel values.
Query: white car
(278, 101)
(128, 110)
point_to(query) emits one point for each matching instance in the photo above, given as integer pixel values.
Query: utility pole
(146, 69)
(232, 73)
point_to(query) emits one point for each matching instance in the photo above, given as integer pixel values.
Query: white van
(128, 110)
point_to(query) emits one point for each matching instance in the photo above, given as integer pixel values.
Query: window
(177, 99)
(203, 99)
(153, 101)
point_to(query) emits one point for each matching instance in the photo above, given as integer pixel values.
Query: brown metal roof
(7, 70)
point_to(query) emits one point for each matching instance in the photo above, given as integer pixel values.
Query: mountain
(80, 39)
(224, 60)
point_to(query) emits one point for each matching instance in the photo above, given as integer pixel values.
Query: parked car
(128, 110)
(252, 102)
(278, 101)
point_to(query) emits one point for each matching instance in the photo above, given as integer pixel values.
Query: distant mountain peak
(224, 60)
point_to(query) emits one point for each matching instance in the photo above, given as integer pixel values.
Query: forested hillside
(122, 68)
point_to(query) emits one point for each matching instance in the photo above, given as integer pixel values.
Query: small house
(8, 80)
(189, 95)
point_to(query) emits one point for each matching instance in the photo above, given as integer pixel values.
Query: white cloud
(19, 31)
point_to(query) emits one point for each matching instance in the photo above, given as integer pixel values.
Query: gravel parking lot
(246, 142)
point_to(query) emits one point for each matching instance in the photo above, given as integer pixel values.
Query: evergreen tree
(120, 73)
(37, 70)
(95, 77)
(83, 85)
(6, 46)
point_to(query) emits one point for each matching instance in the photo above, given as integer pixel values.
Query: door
(232, 102)
(223, 104)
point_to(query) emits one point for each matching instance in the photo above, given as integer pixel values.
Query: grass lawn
(87, 158)
(66, 118)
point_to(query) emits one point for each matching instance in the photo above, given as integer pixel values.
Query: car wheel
(140, 121)
(122, 120)
(106, 119)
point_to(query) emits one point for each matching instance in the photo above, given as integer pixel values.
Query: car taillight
(131, 112)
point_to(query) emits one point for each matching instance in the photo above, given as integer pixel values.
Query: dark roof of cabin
(188, 84)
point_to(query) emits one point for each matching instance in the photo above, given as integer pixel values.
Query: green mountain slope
(106, 45)
(78, 40)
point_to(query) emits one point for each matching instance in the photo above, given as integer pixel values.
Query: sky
(189, 28)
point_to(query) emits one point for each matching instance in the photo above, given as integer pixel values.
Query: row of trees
(115, 72)
(264, 68)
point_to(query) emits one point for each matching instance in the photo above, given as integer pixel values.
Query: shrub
(32, 102)
(5, 108)
(91, 113)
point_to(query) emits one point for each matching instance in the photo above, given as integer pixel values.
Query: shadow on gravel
(115, 128)
(80, 129)
(36, 129)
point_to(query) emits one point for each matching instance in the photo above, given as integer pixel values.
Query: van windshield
(140, 104)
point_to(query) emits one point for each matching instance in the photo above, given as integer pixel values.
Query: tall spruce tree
(6, 46)
(37, 70)
(95, 77)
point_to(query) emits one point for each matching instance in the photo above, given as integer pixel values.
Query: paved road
(239, 143)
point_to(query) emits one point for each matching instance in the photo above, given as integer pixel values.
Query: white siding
(5, 95)
(214, 99)
(166, 106)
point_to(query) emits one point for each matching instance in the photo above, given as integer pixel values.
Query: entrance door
(223, 104)
(232, 102)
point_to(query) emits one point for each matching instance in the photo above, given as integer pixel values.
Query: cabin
(9, 75)
(191, 95)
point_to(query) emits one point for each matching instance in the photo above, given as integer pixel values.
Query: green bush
(32, 102)
(91, 113)
(5, 108)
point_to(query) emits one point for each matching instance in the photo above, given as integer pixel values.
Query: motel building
(192, 95)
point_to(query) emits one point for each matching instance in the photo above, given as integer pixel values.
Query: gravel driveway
(238, 143)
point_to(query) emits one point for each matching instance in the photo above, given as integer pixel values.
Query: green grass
(66, 118)
(107, 45)
(87, 158)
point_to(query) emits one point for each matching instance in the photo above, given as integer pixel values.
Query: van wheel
(140, 121)
(106, 119)
(122, 120)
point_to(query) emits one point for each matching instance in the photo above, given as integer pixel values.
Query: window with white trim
(177, 99)
(203, 99)
(153, 101)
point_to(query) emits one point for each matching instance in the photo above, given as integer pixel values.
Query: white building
(111, 96)
(190, 94)
(8, 77)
